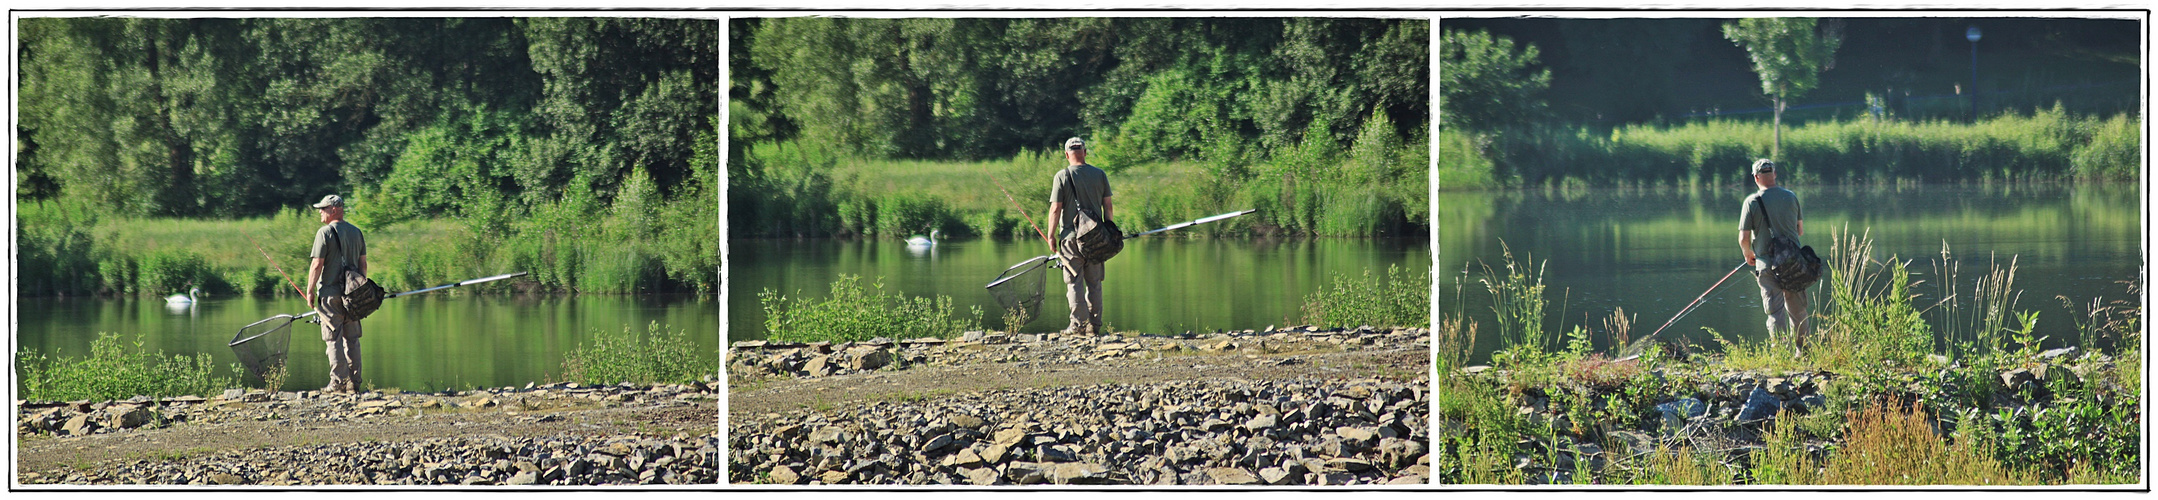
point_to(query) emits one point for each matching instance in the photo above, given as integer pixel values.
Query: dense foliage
(1304, 108)
(559, 145)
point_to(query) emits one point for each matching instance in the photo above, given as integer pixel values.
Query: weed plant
(1397, 299)
(660, 355)
(115, 370)
(853, 312)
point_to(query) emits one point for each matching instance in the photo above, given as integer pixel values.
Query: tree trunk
(1775, 150)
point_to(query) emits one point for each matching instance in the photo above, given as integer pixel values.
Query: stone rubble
(1205, 431)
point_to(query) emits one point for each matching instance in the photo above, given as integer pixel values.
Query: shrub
(114, 370)
(1397, 299)
(853, 313)
(662, 355)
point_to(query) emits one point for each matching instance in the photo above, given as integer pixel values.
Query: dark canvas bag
(1795, 267)
(362, 295)
(1094, 239)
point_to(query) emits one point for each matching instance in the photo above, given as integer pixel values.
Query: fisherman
(1773, 211)
(338, 244)
(1088, 188)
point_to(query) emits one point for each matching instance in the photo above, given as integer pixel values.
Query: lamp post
(1972, 35)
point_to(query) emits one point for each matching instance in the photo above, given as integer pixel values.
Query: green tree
(1484, 84)
(1789, 54)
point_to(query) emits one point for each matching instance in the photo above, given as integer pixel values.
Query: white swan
(183, 299)
(921, 241)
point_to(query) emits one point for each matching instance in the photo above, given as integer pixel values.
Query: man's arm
(1056, 212)
(314, 275)
(1745, 244)
(363, 264)
(1802, 227)
(1108, 210)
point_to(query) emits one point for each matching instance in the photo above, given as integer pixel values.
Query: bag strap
(1766, 220)
(337, 233)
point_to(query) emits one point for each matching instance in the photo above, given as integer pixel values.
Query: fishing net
(1019, 290)
(262, 346)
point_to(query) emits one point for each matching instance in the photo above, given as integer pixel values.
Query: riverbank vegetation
(661, 355)
(2046, 145)
(1681, 102)
(114, 369)
(1904, 381)
(853, 313)
(581, 150)
(892, 128)
(1398, 298)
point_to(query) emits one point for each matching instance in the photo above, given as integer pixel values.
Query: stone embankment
(1301, 407)
(555, 434)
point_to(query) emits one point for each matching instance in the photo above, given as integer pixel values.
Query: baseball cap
(1073, 143)
(1764, 165)
(331, 201)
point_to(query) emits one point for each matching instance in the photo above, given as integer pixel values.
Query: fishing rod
(243, 336)
(273, 264)
(1633, 350)
(1022, 210)
(1008, 274)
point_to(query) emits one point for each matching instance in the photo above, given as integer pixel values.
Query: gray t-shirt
(337, 253)
(1084, 183)
(1782, 217)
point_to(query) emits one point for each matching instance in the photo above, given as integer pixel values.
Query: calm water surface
(1652, 251)
(419, 343)
(1157, 285)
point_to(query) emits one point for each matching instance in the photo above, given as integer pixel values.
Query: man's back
(1782, 216)
(339, 244)
(1085, 184)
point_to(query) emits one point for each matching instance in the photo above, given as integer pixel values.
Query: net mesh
(1019, 291)
(261, 348)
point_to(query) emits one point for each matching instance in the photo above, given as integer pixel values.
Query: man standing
(338, 245)
(1767, 213)
(1077, 187)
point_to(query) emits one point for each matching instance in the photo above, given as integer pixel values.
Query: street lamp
(1972, 35)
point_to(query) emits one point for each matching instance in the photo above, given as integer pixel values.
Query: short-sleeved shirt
(1782, 216)
(1083, 182)
(336, 254)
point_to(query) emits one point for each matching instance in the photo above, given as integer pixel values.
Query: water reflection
(1652, 251)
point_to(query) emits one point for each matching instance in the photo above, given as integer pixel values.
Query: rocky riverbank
(560, 434)
(1303, 406)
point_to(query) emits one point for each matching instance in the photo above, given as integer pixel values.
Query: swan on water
(923, 241)
(183, 299)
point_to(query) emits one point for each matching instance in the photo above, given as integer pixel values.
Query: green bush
(114, 370)
(1397, 299)
(174, 271)
(662, 355)
(854, 313)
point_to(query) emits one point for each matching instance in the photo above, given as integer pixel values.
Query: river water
(417, 343)
(1653, 250)
(1157, 285)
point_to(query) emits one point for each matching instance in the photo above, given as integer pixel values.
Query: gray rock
(1231, 476)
